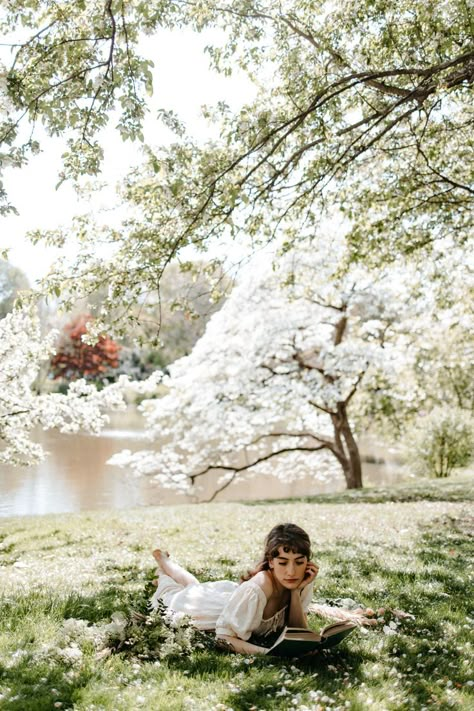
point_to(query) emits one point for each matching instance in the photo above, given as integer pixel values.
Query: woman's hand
(310, 574)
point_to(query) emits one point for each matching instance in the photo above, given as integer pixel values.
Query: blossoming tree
(277, 375)
(22, 350)
(366, 107)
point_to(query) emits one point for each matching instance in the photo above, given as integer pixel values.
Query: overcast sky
(183, 82)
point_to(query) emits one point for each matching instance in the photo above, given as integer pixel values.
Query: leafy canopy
(364, 109)
(69, 66)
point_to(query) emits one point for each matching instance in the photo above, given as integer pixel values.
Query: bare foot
(172, 569)
(160, 556)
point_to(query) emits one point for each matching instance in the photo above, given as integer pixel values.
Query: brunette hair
(288, 536)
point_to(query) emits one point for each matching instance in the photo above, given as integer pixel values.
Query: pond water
(75, 476)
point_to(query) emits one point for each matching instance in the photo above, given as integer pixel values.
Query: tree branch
(444, 178)
(12, 414)
(264, 458)
(317, 438)
(321, 408)
(221, 488)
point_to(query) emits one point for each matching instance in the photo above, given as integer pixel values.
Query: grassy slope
(399, 552)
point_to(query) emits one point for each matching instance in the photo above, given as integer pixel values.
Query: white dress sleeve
(243, 612)
(307, 596)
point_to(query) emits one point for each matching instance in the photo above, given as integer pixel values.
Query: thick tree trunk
(354, 478)
(348, 450)
(344, 447)
(353, 474)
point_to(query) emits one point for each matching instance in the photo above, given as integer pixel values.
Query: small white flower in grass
(70, 654)
(118, 625)
(283, 692)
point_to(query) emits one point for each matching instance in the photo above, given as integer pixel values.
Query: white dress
(224, 606)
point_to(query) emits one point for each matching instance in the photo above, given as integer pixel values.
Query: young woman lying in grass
(276, 593)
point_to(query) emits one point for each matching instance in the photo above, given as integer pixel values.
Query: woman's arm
(240, 646)
(296, 615)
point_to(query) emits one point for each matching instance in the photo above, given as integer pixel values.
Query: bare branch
(12, 414)
(444, 178)
(321, 408)
(221, 488)
(311, 435)
(264, 458)
(355, 386)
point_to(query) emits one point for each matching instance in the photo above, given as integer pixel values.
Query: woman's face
(288, 568)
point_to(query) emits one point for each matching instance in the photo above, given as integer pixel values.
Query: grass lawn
(62, 577)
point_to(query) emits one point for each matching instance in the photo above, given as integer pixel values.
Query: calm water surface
(75, 476)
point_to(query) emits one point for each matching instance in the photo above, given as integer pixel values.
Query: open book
(298, 641)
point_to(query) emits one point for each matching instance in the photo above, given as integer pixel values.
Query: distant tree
(445, 365)
(188, 296)
(75, 358)
(167, 323)
(443, 441)
(12, 280)
(301, 359)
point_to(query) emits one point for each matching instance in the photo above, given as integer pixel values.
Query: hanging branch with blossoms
(22, 351)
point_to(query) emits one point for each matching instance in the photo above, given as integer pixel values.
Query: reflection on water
(75, 477)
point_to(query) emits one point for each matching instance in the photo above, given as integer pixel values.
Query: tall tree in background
(285, 371)
(176, 317)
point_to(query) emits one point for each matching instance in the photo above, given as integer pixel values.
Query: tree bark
(348, 450)
(354, 479)
(348, 453)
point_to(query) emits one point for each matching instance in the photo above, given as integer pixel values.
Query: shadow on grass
(423, 660)
(272, 683)
(426, 657)
(37, 686)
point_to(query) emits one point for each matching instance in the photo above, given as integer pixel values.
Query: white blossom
(270, 362)
(22, 350)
